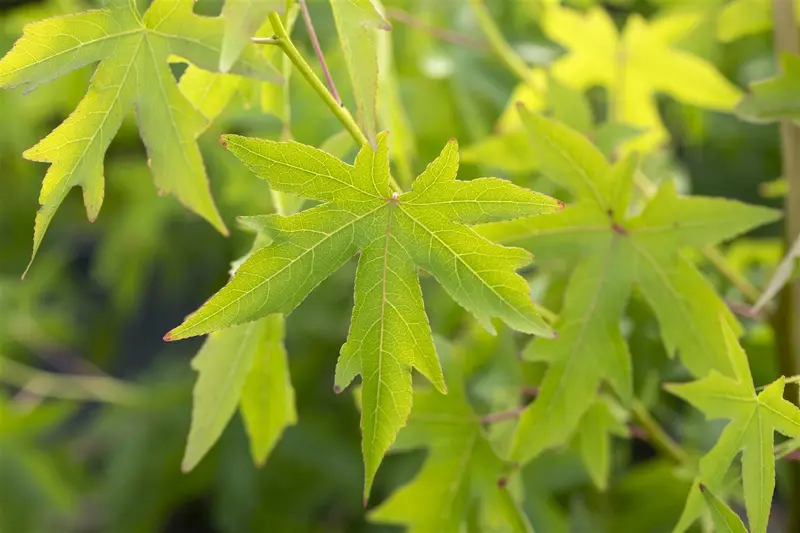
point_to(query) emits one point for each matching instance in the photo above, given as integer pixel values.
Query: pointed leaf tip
(223, 140)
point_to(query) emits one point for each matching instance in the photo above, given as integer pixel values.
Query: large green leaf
(395, 233)
(754, 418)
(611, 252)
(133, 52)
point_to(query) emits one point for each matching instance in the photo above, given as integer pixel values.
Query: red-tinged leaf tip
(186, 467)
(223, 141)
(452, 140)
(364, 500)
(555, 335)
(561, 205)
(702, 487)
(337, 389)
(168, 337)
(502, 482)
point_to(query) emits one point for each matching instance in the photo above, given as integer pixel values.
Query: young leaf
(461, 470)
(776, 98)
(635, 65)
(357, 22)
(725, 520)
(426, 228)
(243, 366)
(611, 252)
(242, 20)
(754, 417)
(133, 52)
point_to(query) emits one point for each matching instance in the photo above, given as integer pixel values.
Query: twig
(442, 34)
(68, 387)
(656, 434)
(493, 418)
(786, 321)
(265, 40)
(318, 50)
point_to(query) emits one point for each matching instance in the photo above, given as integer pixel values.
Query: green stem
(68, 387)
(341, 112)
(656, 434)
(497, 42)
(786, 320)
(284, 42)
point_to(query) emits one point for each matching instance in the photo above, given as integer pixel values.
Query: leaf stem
(340, 111)
(786, 320)
(656, 434)
(497, 42)
(64, 386)
(318, 50)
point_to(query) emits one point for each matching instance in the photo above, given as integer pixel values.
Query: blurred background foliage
(106, 457)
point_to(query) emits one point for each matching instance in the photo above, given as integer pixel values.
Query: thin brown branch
(493, 418)
(448, 36)
(318, 50)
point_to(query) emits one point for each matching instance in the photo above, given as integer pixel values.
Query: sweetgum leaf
(461, 472)
(635, 65)
(133, 71)
(396, 234)
(611, 253)
(754, 418)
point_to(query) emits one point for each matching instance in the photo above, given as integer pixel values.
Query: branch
(66, 386)
(786, 321)
(493, 418)
(656, 434)
(497, 42)
(318, 50)
(447, 36)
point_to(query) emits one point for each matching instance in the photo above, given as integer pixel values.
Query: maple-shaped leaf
(754, 417)
(395, 233)
(133, 51)
(357, 23)
(611, 252)
(462, 474)
(635, 65)
(776, 98)
(242, 366)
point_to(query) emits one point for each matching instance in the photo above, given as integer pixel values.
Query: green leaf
(243, 366)
(634, 65)
(396, 234)
(754, 417)
(776, 98)
(725, 520)
(243, 18)
(461, 471)
(610, 253)
(357, 22)
(133, 52)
